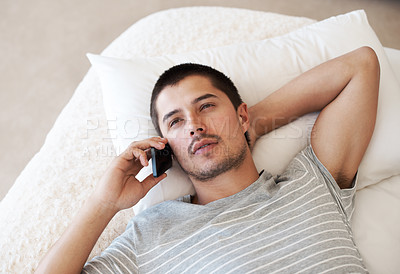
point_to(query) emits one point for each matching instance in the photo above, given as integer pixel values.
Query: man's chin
(208, 169)
(207, 166)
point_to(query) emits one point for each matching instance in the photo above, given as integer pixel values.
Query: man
(239, 220)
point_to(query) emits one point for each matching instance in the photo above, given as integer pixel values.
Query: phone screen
(161, 160)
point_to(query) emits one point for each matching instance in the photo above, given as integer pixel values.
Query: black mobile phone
(161, 160)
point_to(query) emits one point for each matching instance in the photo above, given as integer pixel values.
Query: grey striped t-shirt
(295, 222)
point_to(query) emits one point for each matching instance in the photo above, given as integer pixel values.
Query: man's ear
(243, 116)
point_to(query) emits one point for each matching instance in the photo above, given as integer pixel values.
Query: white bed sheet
(59, 178)
(376, 220)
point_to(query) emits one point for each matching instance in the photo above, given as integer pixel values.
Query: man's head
(201, 113)
(177, 73)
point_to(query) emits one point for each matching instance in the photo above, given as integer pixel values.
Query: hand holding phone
(161, 160)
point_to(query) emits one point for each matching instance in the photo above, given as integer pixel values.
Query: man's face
(203, 128)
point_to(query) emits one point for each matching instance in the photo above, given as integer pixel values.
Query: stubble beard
(232, 160)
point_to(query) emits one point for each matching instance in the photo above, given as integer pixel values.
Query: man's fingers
(140, 155)
(151, 181)
(136, 150)
(156, 142)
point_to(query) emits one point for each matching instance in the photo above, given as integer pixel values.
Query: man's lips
(202, 144)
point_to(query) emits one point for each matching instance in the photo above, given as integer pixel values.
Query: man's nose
(196, 127)
(198, 130)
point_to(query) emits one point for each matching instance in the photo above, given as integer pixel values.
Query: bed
(98, 122)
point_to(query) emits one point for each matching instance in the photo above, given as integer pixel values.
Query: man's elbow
(369, 61)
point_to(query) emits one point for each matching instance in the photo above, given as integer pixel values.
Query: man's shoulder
(303, 171)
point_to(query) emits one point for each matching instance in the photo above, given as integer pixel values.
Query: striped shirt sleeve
(344, 197)
(119, 257)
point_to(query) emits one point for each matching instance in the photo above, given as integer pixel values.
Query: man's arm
(118, 189)
(345, 90)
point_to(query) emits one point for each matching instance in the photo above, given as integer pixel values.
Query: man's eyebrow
(196, 100)
(205, 96)
(169, 114)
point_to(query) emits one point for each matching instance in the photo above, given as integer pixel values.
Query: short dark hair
(177, 73)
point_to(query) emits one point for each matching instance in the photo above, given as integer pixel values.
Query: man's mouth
(203, 146)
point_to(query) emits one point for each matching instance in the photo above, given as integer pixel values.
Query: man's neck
(226, 184)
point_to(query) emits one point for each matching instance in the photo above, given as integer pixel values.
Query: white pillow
(257, 69)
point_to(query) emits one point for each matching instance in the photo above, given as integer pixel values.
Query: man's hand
(118, 188)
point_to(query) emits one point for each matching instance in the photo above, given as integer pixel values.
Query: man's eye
(174, 122)
(207, 105)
